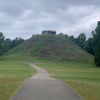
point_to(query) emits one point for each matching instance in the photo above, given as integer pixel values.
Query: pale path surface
(41, 73)
(42, 87)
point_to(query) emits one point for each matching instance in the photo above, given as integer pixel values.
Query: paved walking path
(42, 87)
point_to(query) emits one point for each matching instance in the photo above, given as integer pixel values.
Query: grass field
(82, 77)
(12, 75)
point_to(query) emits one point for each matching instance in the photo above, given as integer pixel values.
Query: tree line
(6, 44)
(91, 45)
(82, 42)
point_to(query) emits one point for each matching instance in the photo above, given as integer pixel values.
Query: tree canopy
(7, 44)
(1, 43)
(96, 44)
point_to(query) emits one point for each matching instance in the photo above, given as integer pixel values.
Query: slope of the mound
(52, 47)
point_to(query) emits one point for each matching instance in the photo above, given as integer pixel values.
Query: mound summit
(56, 47)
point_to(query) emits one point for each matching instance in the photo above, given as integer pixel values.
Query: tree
(20, 40)
(97, 55)
(61, 34)
(7, 44)
(81, 40)
(89, 46)
(96, 44)
(1, 43)
(66, 35)
(1, 37)
(44, 32)
(16, 42)
(71, 37)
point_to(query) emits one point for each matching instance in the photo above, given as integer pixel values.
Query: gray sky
(23, 18)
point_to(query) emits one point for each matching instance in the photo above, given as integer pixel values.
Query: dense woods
(83, 43)
(96, 44)
(91, 45)
(6, 44)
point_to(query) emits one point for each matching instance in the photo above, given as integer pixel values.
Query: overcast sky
(23, 18)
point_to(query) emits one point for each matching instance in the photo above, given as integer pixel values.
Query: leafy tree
(44, 32)
(7, 44)
(66, 35)
(71, 37)
(20, 40)
(1, 37)
(81, 40)
(16, 42)
(1, 52)
(89, 46)
(97, 55)
(1, 43)
(96, 44)
(61, 34)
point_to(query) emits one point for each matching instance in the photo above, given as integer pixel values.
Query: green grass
(12, 75)
(55, 47)
(83, 77)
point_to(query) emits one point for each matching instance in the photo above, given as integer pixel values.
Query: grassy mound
(55, 47)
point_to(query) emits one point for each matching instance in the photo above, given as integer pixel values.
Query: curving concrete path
(42, 87)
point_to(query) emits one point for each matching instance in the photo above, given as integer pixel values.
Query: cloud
(27, 13)
(26, 17)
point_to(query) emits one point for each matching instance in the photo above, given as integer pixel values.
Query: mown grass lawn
(82, 77)
(12, 75)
